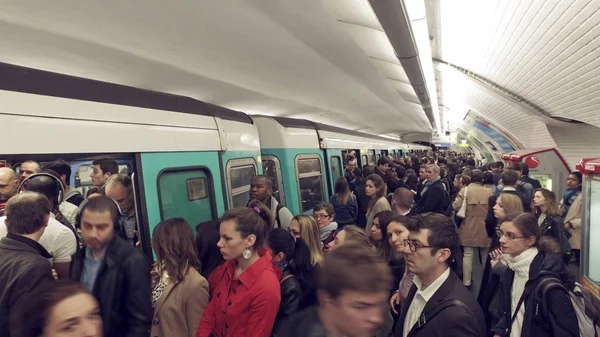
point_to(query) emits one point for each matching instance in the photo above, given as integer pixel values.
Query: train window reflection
(185, 193)
(239, 174)
(272, 169)
(310, 181)
(336, 168)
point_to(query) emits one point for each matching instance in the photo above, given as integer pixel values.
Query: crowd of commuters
(426, 245)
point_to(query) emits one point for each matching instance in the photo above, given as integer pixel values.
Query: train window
(184, 192)
(365, 160)
(239, 174)
(336, 168)
(309, 176)
(272, 169)
(371, 157)
(82, 177)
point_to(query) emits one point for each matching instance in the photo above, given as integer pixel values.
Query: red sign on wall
(532, 162)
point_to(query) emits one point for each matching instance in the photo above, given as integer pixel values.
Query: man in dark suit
(527, 179)
(433, 197)
(438, 304)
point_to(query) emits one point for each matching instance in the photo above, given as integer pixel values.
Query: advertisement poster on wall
(484, 126)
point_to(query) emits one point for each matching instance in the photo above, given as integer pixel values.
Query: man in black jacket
(24, 262)
(353, 289)
(434, 197)
(527, 179)
(438, 304)
(114, 271)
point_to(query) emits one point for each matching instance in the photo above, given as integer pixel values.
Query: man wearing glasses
(438, 303)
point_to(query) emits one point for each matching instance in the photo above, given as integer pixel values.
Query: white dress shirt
(422, 296)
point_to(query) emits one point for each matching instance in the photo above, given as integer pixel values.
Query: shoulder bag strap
(285, 278)
(429, 315)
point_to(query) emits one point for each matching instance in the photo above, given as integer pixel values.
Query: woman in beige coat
(180, 293)
(375, 189)
(472, 232)
(571, 205)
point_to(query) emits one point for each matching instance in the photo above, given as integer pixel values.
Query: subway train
(187, 158)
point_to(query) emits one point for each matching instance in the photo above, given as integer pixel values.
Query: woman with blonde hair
(180, 293)
(375, 188)
(547, 210)
(305, 227)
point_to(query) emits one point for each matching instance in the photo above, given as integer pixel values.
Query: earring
(247, 254)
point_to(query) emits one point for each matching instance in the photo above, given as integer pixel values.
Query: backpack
(585, 304)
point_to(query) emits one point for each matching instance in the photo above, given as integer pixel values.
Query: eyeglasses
(508, 236)
(319, 216)
(414, 245)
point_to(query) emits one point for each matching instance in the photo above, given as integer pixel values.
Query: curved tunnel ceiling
(544, 52)
(296, 59)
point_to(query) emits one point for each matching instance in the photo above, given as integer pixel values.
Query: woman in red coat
(246, 292)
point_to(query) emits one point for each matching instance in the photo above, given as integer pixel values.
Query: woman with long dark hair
(246, 298)
(207, 236)
(344, 203)
(292, 257)
(376, 191)
(180, 293)
(380, 238)
(547, 211)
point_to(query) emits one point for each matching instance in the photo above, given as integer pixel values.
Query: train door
(310, 179)
(180, 184)
(334, 167)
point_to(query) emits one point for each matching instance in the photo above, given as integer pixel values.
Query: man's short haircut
(477, 176)
(101, 204)
(401, 172)
(26, 213)
(403, 197)
(442, 232)
(267, 180)
(323, 206)
(122, 179)
(383, 161)
(367, 171)
(107, 165)
(354, 267)
(61, 167)
(39, 167)
(517, 166)
(435, 168)
(509, 177)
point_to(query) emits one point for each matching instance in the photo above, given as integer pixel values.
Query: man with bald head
(261, 189)
(9, 183)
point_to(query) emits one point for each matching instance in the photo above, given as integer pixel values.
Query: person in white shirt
(438, 304)
(58, 240)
